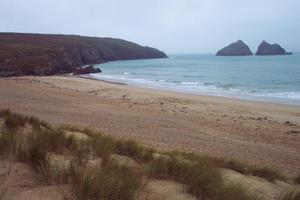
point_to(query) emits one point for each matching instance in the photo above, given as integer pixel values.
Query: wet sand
(255, 132)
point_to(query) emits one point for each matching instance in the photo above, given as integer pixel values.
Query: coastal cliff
(270, 49)
(238, 48)
(41, 54)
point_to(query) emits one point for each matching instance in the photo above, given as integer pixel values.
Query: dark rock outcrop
(86, 70)
(41, 54)
(238, 48)
(270, 49)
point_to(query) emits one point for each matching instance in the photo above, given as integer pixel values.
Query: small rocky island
(270, 49)
(238, 48)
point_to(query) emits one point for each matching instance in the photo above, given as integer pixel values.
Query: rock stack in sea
(238, 48)
(270, 49)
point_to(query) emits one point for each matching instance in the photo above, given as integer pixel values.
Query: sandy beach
(255, 132)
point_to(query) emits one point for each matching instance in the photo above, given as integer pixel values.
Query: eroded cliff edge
(42, 54)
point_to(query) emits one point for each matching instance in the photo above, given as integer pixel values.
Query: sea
(261, 78)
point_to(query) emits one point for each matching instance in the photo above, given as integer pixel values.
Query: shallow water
(267, 78)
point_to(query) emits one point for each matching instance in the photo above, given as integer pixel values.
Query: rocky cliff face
(238, 48)
(270, 49)
(39, 54)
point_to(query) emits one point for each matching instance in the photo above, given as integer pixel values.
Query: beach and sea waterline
(264, 78)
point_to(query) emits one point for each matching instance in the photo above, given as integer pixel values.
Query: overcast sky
(175, 26)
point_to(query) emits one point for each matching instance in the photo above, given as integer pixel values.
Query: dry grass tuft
(32, 149)
(105, 181)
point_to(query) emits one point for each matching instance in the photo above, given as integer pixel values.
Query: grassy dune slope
(71, 163)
